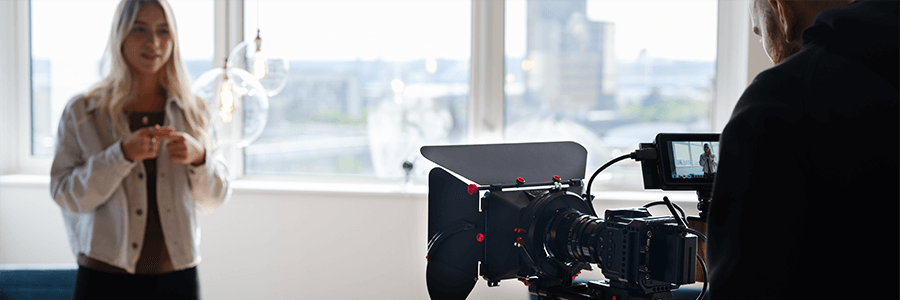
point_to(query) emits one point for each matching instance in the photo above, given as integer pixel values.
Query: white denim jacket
(100, 192)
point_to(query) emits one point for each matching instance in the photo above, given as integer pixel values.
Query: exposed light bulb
(237, 104)
(431, 65)
(226, 99)
(259, 61)
(259, 67)
(397, 87)
(527, 64)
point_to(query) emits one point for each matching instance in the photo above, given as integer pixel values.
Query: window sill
(252, 185)
(356, 188)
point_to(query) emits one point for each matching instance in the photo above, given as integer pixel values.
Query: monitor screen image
(694, 159)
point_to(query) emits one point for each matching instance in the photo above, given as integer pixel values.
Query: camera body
(642, 256)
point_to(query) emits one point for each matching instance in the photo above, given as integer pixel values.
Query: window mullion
(229, 28)
(15, 129)
(731, 66)
(738, 59)
(229, 31)
(8, 82)
(486, 109)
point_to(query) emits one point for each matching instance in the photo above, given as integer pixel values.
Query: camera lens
(573, 236)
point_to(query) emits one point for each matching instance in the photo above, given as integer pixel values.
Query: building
(570, 60)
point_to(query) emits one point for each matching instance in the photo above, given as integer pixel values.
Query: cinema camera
(545, 233)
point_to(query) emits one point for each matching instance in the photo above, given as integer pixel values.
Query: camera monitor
(685, 161)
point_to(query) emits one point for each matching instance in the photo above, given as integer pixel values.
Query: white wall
(272, 242)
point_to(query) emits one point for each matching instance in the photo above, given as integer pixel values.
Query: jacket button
(192, 171)
(140, 175)
(134, 245)
(139, 212)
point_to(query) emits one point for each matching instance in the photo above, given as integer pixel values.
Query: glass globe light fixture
(272, 73)
(237, 105)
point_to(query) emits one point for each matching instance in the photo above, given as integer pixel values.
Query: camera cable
(683, 223)
(678, 207)
(637, 155)
(587, 191)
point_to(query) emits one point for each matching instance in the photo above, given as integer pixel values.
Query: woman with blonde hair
(708, 162)
(132, 166)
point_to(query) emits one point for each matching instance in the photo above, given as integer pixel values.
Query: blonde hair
(114, 90)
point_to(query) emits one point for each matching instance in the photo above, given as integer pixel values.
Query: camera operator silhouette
(795, 203)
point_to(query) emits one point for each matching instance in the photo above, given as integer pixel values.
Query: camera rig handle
(698, 223)
(704, 196)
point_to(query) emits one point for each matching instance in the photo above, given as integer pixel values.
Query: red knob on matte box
(472, 189)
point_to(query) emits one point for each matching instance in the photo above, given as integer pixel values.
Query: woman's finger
(177, 137)
(146, 132)
(163, 133)
(156, 143)
(174, 144)
(146, 142)
(178, 156)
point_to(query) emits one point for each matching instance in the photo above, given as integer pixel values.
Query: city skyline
(343, 113)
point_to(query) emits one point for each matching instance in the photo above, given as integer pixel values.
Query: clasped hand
(144, 144)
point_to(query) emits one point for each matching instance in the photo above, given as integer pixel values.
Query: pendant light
(271, 72)
(237, 105)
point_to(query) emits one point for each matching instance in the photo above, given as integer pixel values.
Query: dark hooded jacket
(805, 202)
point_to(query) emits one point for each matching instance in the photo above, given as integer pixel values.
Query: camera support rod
(520, 183)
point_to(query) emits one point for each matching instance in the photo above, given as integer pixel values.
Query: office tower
(570, 60)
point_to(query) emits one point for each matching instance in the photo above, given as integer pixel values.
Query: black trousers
(93, 284)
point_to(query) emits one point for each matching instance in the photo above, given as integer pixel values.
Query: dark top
(154, 257)
(805, 202)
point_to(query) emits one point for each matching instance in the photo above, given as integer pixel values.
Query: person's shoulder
(78, 103)
(780, 86)
(774, 100)
(82, 104)
(786, 78)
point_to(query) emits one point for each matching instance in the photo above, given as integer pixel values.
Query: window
(65, 62)
(608, 74)
(370, 82)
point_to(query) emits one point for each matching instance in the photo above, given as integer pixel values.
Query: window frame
(738, 60)
(15, 129)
